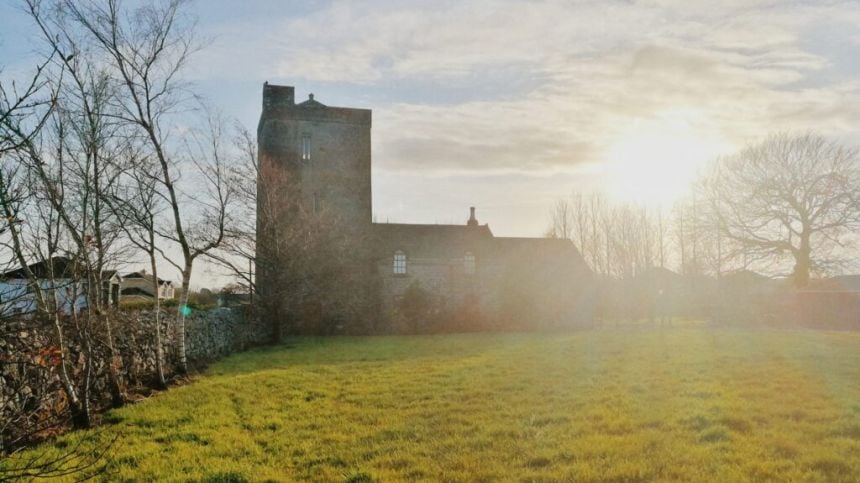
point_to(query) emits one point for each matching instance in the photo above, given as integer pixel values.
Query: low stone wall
(31, 397)
(219, 332)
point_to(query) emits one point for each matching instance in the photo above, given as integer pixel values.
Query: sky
(510, 105)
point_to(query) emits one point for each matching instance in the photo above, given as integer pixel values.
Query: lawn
(691, 404)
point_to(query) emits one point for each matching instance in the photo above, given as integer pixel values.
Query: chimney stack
(472, 220)
(275, 96)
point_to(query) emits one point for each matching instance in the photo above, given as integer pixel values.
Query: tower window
(399, 263)
(306, 147)
(469, 263)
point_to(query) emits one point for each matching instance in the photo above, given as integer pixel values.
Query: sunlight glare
(654, 160)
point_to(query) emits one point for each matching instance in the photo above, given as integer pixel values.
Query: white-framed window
(306, 147)
(399, 263)
(469, 263)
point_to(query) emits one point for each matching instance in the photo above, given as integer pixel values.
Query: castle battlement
(280, 101)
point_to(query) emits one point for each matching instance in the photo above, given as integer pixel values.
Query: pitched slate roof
(429, 241)
(311, 103)
(539, 250)
(453, 241)
(145, 276)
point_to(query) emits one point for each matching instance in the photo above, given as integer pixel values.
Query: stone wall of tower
(313, 159)
(337, 175)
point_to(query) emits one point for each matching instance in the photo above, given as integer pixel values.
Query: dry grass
(687, 404)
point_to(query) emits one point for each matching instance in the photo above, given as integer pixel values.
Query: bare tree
(147, 48)
(687, 236)
(578, 219)
(45, 238)
(86, 151)
(661, 233)
(561, 220)
(237, 253)
(21, 122)
(794, 196)
(138, 206)
(597, 207)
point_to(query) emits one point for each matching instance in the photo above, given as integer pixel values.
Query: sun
(653, 161)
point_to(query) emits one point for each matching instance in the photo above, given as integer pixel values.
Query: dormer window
(399, 263)
(306, 147)
(469, 263)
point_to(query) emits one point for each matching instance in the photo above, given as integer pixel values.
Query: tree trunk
(802, 262)
(117, 394)
(161, 382)
(98, 308)
(180, 320)
(79, 410)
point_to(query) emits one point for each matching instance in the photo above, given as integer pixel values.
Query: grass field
(689, 404)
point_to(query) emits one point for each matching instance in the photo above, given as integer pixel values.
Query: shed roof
(58, 267)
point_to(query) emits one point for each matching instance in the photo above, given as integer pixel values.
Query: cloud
(591, 64)
(552, 88)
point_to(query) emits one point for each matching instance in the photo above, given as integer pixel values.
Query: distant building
(832, 303)
(137, 286)
(59, 277)
(839, 283)
(324, 153)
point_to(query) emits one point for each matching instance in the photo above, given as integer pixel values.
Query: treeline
(107, 155)
(789, 205)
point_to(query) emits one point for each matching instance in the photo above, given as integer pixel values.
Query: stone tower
(312, 158)
(325, 151)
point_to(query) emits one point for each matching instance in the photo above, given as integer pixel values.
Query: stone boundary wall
(31, 397)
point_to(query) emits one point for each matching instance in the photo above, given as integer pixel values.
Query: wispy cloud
(592, 67)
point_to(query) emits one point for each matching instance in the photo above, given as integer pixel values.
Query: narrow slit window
(399, 263)
(306, 147)
(469, 263)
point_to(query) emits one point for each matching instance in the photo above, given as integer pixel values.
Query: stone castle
(317, 159)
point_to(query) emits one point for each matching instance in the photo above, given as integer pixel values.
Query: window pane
(399, 262)
(469, 263)
(306, 147)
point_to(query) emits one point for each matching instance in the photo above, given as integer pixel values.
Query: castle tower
(312, 159)
(324, 150)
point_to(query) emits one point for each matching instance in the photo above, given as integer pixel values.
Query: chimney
(275, 96)
(472, 220)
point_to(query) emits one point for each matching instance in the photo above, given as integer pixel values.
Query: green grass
(688, 404)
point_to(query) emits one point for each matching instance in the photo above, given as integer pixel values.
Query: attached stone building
(317, 157)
